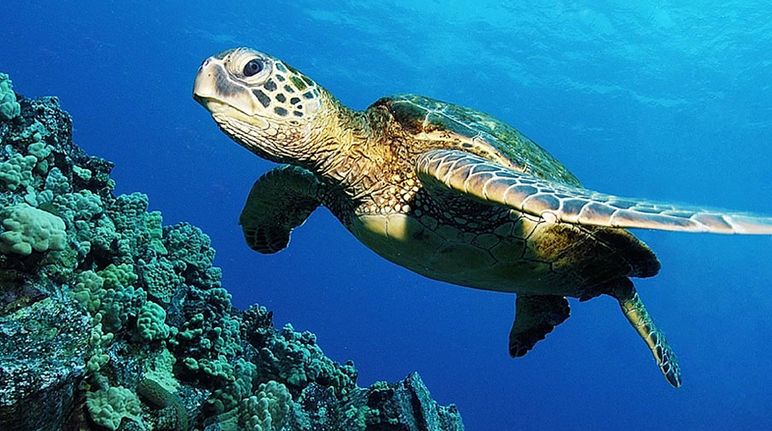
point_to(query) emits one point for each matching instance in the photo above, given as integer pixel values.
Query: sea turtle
(445, 191)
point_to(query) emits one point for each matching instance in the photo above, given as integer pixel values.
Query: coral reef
(110, 320)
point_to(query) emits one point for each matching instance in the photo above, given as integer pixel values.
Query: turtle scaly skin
(445, 191)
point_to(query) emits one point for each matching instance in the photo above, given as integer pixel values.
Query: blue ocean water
(664, 99)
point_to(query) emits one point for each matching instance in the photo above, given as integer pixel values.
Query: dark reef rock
(42, 350)
(110, 320)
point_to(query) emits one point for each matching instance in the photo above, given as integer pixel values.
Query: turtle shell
(475, 132)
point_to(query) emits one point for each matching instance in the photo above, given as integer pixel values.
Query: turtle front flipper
(639, 317)
(535, 317)
(280, 200)
(557, 202)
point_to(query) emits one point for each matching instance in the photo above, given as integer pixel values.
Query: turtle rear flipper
(556, 202)
(280, 200)
(535, 317)
(639, 318)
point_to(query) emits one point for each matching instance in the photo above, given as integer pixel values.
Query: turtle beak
(217, 91)
(205, 86)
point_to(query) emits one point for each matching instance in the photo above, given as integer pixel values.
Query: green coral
(9, 107)
(128, 211)
(42, 199)
(154, 228)
(57, 182)
(138, 232)
(28, 228)
(151, 325)
(120, 299)
(83, 205)
(118, 305)
(34, 131)
(296, 358)
(110, 296)
(83, 212)
(227, 398)
(89, 291)
(211, 338)
(160, 278)
(161, 370)
(118, 276)
(41, 151)
(16, 172)
(267, 410)
(82, 173)
(98, 342)
(189, 245)
(108, 407)
(218, 369)
(103, 233)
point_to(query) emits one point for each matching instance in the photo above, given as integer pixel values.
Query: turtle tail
(636, 313)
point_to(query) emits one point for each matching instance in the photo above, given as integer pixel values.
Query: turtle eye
(252, 68)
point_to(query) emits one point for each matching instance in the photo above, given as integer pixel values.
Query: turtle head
(261, 102)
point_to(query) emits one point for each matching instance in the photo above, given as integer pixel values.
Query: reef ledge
(111, 320)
